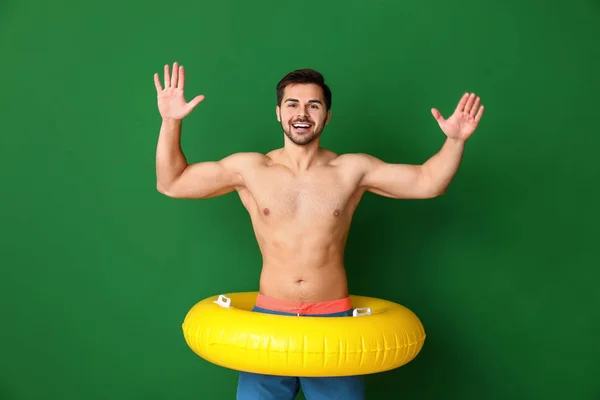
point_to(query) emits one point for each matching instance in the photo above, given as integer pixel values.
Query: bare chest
(315, 196)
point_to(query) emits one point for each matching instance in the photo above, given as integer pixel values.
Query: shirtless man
(301, 199)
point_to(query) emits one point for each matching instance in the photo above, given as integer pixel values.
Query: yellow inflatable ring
(381, 336)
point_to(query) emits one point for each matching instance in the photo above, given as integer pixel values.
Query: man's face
(302, 113)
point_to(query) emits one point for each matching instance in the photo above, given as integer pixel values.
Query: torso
(301, 223)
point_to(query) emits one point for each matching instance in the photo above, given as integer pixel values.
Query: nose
(302, 111)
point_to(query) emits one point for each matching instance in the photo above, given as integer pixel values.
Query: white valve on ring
(223, 301)
(359, 312)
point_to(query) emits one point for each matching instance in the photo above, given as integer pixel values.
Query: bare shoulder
(358, 163)
(238, 162)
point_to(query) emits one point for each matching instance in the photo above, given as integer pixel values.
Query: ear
(277, 112)
(328, 117)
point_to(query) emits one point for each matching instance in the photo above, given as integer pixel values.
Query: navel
(266, 211)
(336, 213)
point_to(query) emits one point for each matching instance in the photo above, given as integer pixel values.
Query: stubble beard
(301, 140)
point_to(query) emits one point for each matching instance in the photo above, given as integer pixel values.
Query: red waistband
(299, 307)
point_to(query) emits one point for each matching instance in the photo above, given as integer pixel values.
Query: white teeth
(300, 126)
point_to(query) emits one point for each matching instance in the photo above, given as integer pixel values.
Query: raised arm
(405, 181)
(174, 176)
(433, 177)
(178, 179)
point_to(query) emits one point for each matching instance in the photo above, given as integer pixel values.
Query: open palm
(171, 100)
(465, 119)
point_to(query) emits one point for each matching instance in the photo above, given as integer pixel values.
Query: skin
(301, 197)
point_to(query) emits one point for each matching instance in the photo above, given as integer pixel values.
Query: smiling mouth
(301, 126)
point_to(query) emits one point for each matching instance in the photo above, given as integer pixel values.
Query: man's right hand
(171, 101)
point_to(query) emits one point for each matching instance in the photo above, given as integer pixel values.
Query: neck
(301, 158)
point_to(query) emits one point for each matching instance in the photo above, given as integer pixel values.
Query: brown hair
(305, 75)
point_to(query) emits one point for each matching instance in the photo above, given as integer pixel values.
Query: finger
(479, 114)
(181, 82)
(469, 104)
(463, 101)
(175, 74)
(437, 114)
(167, 78)
(157, 83)
(195, 101)
(475, 106)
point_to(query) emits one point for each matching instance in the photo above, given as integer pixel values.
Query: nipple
(266, 211)
(336, 213)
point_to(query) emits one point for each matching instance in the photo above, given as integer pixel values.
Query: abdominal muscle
(304, 266)
(301, 224)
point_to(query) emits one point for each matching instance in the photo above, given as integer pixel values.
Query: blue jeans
(269, 387)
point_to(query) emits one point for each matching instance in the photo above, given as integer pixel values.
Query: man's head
(303, 105)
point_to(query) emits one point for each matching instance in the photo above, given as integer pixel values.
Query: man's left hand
(464, 121)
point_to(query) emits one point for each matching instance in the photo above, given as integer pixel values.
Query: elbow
(437, 192)
(434, 191)
(161, 189)
(164, 189)
(430, 186)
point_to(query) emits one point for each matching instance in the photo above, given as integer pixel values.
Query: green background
(98, 269)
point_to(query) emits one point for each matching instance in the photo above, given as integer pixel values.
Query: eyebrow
(310, 101)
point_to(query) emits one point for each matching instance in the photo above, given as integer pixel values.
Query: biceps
(205, 180)
(397, 180)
